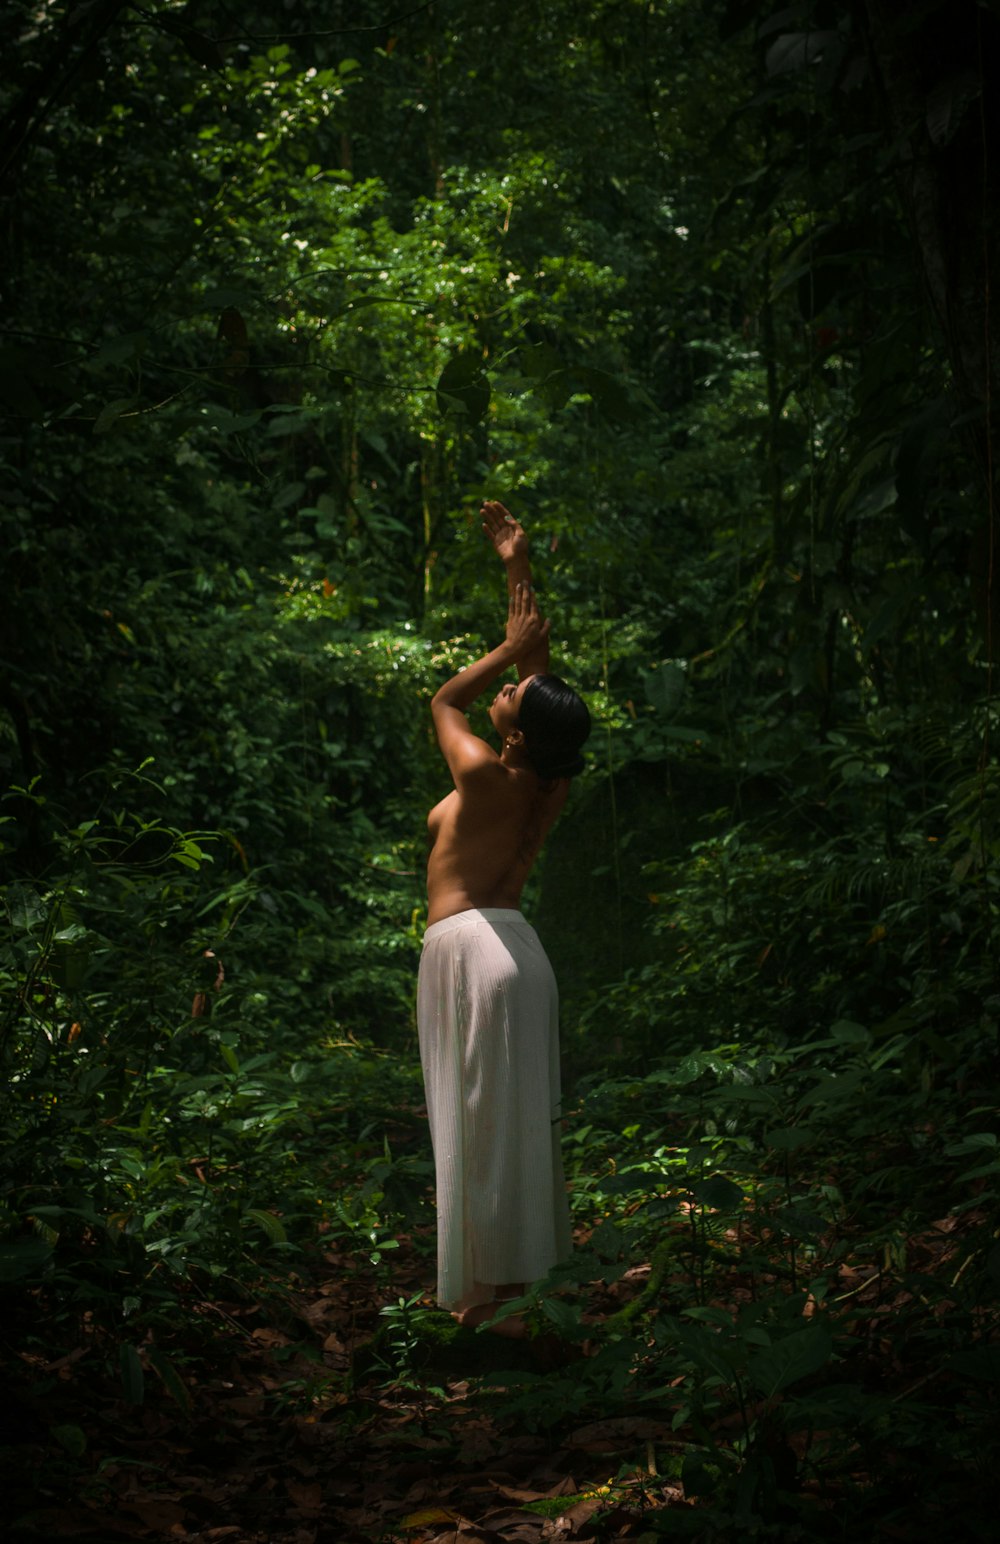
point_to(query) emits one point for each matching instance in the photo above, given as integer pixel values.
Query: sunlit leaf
(271, 1225)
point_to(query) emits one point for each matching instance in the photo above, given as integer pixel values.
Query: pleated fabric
(488, 1021)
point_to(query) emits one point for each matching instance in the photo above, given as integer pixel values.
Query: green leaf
(799, 1222)
(214, 416)
(543, 366)
(831, 1090)
(606, 1240)
(116, 352)
(463, 389)
(288, 495)
(564, 1316)
(665, 686)
(112, 411)
(707, 1350)
(171, 1379)
(271, 1226)
(701, 1476)
(975, 1142)
(786, 1361)
(848, 1033)
(797, 50)
(719, 1193)
(22, 1257)
(721, 1318)
(876, 499)
(888, 616)
(71, 1438)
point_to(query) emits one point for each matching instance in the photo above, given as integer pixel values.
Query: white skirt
(488, 1020)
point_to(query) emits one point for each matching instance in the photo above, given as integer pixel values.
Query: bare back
(485, 835)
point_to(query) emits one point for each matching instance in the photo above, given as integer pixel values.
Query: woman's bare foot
(513, 1326)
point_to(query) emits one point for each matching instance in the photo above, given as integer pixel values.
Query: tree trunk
(944, 126)
(936, 82)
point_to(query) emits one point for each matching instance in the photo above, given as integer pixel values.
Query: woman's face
(506, 706)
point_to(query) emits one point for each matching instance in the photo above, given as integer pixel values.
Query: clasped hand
(525, 627)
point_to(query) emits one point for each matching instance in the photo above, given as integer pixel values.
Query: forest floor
(335, 1405)
(302, 1419)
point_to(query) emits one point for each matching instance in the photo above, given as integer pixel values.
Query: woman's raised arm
(510, 541)
(526, 634)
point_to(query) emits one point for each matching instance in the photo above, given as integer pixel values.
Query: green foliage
(158, 1133)
(659, 280)
(774, 1198)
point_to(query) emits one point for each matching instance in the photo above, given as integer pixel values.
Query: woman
(487, 1006)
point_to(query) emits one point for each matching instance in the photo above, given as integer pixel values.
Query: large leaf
(463, 389)
(111, 412)
(707, 1350)
(542, 365)
(798, 1222)
(270, 1224)
(21, 1257)
(720, 1193)
(171, 1379)
(665, 686)
(796, 1356)
(795, 50)
(834, 1090)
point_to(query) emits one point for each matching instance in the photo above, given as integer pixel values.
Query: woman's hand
(526, 630)
(506, 533)
(523, 622)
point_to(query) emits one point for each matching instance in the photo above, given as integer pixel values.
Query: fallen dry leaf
(307, 1498)
(506, 1519)
(160, 1516)
(428, 1516)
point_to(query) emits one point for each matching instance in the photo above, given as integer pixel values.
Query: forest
(706, 291)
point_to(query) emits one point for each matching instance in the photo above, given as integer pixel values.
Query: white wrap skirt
(488, 1020)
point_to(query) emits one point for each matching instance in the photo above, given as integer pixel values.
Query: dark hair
(555, 722)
